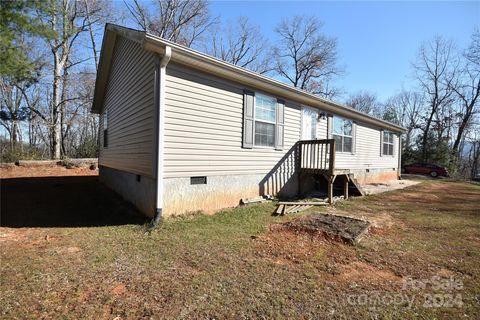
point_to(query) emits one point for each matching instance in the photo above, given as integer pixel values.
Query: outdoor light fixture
(322, 116)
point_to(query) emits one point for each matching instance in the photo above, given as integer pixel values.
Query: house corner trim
(160, 74)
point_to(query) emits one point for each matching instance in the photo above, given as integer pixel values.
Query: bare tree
(366, 102)
(96, 12)
(404, 109)
(13, 110)
(241, 44)
(180, 21)
(436, 72)
(68, 20)
(305, 56)
(468, 90)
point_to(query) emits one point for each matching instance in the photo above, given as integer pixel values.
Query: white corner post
(399, 170)
(160, 73)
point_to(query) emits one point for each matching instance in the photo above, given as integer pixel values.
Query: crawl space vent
(198, 180)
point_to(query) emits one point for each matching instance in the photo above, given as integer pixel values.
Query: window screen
(387, 146)
(265, 118)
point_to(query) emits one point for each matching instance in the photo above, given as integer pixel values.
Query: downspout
(160, 69)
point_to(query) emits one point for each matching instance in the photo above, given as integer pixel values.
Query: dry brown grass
(232, 265)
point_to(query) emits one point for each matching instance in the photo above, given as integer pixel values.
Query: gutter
(160, 68)
(206, 63)
(203, 62)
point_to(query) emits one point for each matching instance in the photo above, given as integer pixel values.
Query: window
(105, 127)
(265, 119)
(387, 143)
(343, 134)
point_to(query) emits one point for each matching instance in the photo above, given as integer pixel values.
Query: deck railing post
(300, 154)
(331, 167)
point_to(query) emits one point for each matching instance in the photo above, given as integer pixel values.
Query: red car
(426, 168)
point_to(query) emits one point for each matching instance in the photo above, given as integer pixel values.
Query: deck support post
(331, 180)
(345, 187)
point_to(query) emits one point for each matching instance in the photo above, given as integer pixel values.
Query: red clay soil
(45, 171)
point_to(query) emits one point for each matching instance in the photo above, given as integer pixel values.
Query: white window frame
(255, 120)
(343, 135)
(388, 143)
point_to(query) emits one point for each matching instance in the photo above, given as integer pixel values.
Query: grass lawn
(421, 260)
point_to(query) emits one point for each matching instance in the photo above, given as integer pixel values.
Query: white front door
(309, 123)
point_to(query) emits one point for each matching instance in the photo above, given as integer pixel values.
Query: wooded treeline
(50, 51)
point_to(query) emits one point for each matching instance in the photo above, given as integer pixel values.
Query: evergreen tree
(17, 21)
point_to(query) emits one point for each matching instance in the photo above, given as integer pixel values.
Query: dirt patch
(119, 290)
(445, 273)
(365, 272)
(45, 171)
(377, 219)
(332, 227)
(376, 188)
(284, 247)
(68, 250)
(7, 234)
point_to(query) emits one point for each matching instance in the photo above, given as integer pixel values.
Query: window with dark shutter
(263, 121)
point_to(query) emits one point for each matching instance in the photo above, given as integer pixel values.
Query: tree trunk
(56, 125)
(13, 136)
(476, 158)
(434, 106)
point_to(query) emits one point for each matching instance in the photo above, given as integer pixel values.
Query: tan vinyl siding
(203, 131)
(203, 128)
(322, 129)
(129, 99)
(367, 153)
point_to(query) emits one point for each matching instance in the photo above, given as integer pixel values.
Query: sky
(377, 41)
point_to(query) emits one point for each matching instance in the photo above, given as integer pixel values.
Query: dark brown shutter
(248, 119)
(280, 124)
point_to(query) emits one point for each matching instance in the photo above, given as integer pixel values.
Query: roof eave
(105, 61)
(197, 60)
(206, 63)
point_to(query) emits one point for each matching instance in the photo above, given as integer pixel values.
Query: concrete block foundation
(137, 189)
(368, 176)
(180, 196)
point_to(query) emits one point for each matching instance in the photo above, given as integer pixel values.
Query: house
(182, 131)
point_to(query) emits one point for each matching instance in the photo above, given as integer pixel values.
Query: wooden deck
(318, 157)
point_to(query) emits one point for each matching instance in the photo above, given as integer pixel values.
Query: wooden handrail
(317, 154)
